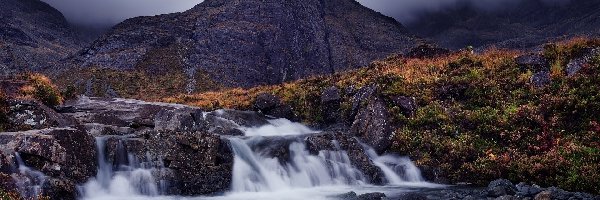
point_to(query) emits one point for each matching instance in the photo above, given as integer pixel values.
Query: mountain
(243, 43)
(33, 36)
(523, 25)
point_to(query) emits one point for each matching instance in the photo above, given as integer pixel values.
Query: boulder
(372, 196)
(501, 187)
(581, 60)
(271, 105)
(359, 99)
(525, 190)
(408, 105)
(330, 105)
(66, 156)
(545, 195)
(533, 62)
(31, 114)
(540, 79)
(372, 125)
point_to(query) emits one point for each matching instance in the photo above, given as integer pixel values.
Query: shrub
(41, 88)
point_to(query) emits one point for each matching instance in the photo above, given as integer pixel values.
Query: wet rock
(525, 190)
(372, 196)
(66, 156)
(545, 195)
(501, 187)
(60, 189)
(540, 79)
(243, 118)
(408, 105)
(533, 62)
(372, 125)
(30, 114)
(177, 120)
(333, 141)
(201, 162)
(271, 105)
(507, 197)
(411, 196)
(346, 196)
(330, 105)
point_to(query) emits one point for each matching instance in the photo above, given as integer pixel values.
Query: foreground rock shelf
(171, 149)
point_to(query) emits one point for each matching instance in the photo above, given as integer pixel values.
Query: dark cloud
(408, 11)
(108, 12)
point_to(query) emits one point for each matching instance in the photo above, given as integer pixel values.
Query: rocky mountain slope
(249, 42)
(523, 25)
(33, 36)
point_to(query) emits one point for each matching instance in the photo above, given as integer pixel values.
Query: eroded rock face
(282, 41)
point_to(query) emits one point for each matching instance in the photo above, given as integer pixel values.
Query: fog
(110, 12)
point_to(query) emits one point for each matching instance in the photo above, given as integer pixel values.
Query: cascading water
(259, 172)
(397, 170)
(29, 181)
(126, 177)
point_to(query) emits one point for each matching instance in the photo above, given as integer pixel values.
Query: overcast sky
(94, 12)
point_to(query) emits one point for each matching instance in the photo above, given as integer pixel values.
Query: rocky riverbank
(185, 149)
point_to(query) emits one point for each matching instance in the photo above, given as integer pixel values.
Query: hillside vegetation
(479, 117)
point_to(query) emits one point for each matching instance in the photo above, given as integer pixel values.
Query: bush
(40, 87)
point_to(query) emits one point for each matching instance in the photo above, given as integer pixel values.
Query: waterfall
(255, 173)
(125, 177)
(397, 170)
(29, 182)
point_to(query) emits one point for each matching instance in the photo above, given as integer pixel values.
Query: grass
(479, 116)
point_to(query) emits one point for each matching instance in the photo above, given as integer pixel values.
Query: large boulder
(67, 156)
(193, 163)
(501, 187)
(330, 105)
(31, 114)
(271, 105)
(372, 125)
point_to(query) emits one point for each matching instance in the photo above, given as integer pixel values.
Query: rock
(269, 104)
(533, 62)
(545, 195)
(60, 189)
(427, 51)
(525, 190)
(507, 197)
(346, 196)
(330, 105)
(177, 120)
(372, 125)
(66, 155)
(196, 163)
(359, 100)
(407, 105)
(501, 187)
(332, 141)
(580, 61)
(540, 79)
(242, 118)
(26, 115)
(411, 196)
(372, 196)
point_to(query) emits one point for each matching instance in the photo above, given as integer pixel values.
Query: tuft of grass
(41, 88)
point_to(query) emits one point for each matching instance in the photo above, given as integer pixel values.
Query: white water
(257, 175)
(130, 179)
(29, 181)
